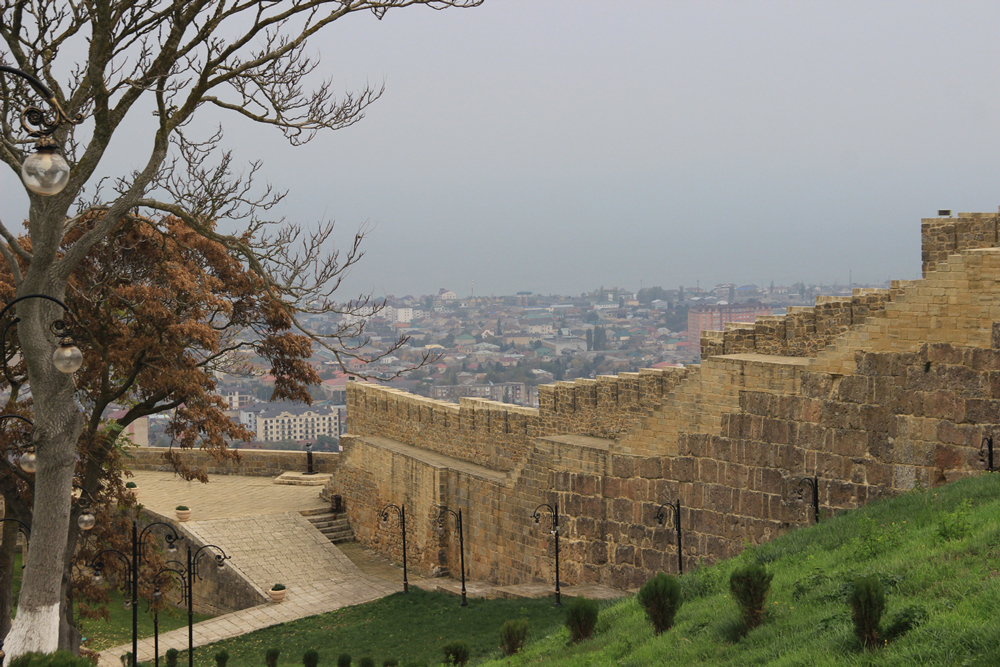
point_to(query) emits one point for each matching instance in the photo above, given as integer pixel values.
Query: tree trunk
(7, 552)
(58, 424)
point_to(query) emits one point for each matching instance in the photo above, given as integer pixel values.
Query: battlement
(497, 435)
(941, 237)
(802, 332)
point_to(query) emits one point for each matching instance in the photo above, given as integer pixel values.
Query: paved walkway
(258, 524)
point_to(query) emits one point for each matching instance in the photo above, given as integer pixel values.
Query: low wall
(252, 463)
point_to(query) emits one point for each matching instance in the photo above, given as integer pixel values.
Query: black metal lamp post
(157, 594)
(192, 572)
(988, 444)
(401, 513)
(813, 483)
(461, 541)
(138, 556)
(675, 511)
(309, 460)
(45, 172)
(554, 510)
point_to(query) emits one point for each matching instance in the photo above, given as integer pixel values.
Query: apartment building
(274, 422)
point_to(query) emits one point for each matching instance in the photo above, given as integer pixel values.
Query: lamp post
(813, 483)
(554, 510)
(401, 513)
(461, 541)
(192, 572)
(309, 460)
(988, 444)
(157, 594)
(45, 172)
(675, 511)
(132, 582)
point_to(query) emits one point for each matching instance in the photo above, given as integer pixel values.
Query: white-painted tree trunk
(57, 425)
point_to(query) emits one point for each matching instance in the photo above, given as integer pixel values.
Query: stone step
(335, 527)
(302, 479)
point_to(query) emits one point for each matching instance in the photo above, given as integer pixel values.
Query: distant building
(507, 392)
(714, 317)
(274, 422)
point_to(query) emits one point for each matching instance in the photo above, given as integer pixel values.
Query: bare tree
(182, 56)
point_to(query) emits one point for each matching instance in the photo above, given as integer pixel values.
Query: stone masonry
(873, 394)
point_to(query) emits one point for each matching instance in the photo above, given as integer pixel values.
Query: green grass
(408, 627)
(938, 549)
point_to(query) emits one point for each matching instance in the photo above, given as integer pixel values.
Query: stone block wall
(253, 462)
(497, 435)
(941, 237)
(802, 332)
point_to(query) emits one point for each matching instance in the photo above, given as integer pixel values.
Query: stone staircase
(334, 526)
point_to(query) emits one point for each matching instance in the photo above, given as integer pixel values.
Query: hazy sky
(560, 145)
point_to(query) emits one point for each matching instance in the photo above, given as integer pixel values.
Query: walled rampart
(802, 332)
(895, 400)
(252, 463)
(942, 237)
(496, 435)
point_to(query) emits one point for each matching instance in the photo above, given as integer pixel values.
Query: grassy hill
(936, 551)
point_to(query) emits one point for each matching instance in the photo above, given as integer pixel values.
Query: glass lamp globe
(86, 520)
(67, 357)
(28, 461)
(45, 172)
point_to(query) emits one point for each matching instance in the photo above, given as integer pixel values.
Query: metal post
(402, 521)
(156, 638)
(555, 529)
(461, 552)
(677, 524)
(309, 460)
(988, 443)
(135, 592)
(190, 601)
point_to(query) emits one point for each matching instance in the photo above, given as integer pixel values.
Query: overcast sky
(561, 145)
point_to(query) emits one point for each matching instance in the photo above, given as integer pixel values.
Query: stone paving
(271, 542)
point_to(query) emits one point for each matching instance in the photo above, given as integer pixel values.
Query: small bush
(171, 656)
(956, 525)
(456, 652)
(57, 659)
(126, 657)
(661, 598)
(221, 658)
(905, 620)
(867, 605)
(366, 662)
(344, 660)
(749, 585)
(271, 657)
(278, 587)
(581, 618)
(182, 508)
(513, 636)
(874, 540)
(311, 658)
(703, 581)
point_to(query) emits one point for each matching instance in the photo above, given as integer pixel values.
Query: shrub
(905, 620)
(456, 652)
(749, 585)
(581, 617)
(344, 660)
(278, 587)
(182, 508)
(366, 662)
(171, 656)
(956, 525)
(57, 659)
(271, 657)
(311, 658)
(867, 604)
(126, 657)
(221, 658)
(131, 485)
(661, 598)
(513, 635)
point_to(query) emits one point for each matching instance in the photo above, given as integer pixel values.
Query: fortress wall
(802, 332)
(941, 237)
(497, 435)
(253, 462)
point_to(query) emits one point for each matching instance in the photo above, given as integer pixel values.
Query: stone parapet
(252, 463)
(941, 237)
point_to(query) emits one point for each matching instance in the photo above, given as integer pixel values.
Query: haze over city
(564, 145)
